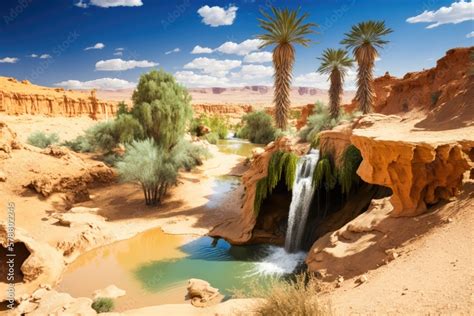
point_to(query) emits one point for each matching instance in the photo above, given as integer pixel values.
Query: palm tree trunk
(365, 91)
(335, 92)
(283, 60)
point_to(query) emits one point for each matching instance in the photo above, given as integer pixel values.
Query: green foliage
(258, 128)
(279, 162)
(42, 140)
(347, 173)
(325, 174)
(162, 106)
(321, 120)
(195, 154)
(103, 305)
(212, 138)
(217, 124)
(122, 108)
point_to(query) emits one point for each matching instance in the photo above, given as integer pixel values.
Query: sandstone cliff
(26, 98)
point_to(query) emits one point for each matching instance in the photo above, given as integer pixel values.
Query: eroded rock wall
(25, 98)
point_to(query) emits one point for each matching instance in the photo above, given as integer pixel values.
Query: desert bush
(321, 120)
(297, 297)
(103, 305)
(122, 108)
(42, 140)
(212, 138)
(258, 128)
(217, 124)
(195, 155)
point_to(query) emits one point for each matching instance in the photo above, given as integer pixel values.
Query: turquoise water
(222, 265)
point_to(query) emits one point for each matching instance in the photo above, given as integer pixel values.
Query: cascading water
(303, 191)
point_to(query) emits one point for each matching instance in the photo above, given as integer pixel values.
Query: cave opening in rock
(21, 253)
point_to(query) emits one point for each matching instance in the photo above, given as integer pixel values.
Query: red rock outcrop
(444, 93)
(231, 111)
(26, 98)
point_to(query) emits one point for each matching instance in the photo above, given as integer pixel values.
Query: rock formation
(202, 294)
(26, 98)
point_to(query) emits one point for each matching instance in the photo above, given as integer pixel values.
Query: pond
(237, 146)
(153, 267)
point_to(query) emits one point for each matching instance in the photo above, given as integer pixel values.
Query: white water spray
(303, 191)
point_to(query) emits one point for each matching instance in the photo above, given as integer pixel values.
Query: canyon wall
(25, 98)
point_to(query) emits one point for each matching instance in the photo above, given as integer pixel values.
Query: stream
(153, 267)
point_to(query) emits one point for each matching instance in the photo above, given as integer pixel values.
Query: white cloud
(119, 49)
(45, 56)
(214, 67)
(201, 50)
(456, 13)
(217, 16)
(33, 55)
(258, 57)
(118, 64)
(470, 35)
(100, 84)
(119, 53)
(191, 79)
(81, 4)
(109, 3)
(242, 48)
(96, 46)
(317, 80)
(176, 50)
(8, 60)
(251, 72)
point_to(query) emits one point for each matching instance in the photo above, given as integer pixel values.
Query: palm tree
(335, 62)
(364, 39)
(284, 29)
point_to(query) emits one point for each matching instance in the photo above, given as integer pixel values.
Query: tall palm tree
(335, 62)
(364, 39)
(284, 28)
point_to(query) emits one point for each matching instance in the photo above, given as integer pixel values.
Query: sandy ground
(434, 273)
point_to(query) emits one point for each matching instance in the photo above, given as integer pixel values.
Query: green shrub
(258, 128)
(195, 155)
(279, 162)
(103, 305)
(122, 108)
(212, 138)
(217, 125)
(321, 120)
(42, 140)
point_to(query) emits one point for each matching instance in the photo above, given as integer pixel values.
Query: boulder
(202, 294)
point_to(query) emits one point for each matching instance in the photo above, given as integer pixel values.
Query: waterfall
(303, 191)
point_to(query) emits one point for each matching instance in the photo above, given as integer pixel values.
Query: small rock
(362, 279)
(449, 220)
(45, 286)
(339, 281)
(26, 307)
(202, 294)
(3, 176)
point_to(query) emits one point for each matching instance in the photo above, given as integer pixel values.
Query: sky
(107, 44)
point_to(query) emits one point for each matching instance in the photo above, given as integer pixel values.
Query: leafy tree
(335, 62)
(284, 29)
(162, 106)
(364, 39)
(258, 128)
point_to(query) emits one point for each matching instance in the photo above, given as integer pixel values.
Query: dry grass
(297, 297)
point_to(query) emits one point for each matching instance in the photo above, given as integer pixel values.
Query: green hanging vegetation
(325, 174)
(347, 174)
(279, 162)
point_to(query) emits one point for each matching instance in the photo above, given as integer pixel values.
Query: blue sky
(108, 43)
